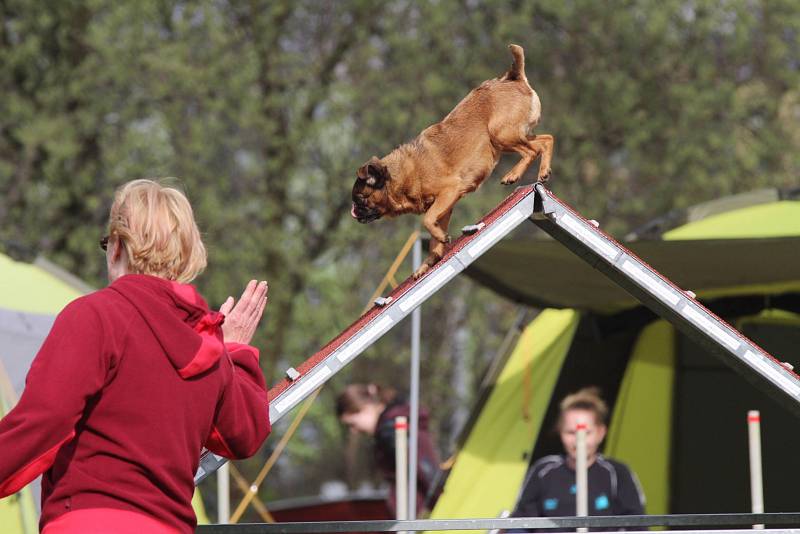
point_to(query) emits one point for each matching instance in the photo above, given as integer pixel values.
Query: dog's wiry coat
(453, 157)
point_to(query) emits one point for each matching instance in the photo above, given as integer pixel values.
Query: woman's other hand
(241, 318)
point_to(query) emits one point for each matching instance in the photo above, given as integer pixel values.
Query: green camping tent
(678, 414)
(31, 295)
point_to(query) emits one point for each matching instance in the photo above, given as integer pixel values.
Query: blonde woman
(134, 379)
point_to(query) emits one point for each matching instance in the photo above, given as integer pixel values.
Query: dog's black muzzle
(364, 214)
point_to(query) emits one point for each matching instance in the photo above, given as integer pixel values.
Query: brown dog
(453, 157)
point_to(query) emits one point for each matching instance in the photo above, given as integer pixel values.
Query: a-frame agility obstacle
(583, 237)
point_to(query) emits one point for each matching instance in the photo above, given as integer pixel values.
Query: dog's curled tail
(517, 70)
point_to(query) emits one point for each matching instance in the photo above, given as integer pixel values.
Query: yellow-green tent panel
(641, 425)
(773, 219)
(28, 288)
(490, 468)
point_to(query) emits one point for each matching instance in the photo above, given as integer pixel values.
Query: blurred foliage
(263, 110)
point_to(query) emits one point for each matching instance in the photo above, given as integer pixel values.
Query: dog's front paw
(440, 237)
(424, 268)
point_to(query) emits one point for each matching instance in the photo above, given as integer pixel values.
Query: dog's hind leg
(528, 154)
(519, 169)
(530, 149)
(543, 144)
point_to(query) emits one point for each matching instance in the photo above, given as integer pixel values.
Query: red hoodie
(130, 383)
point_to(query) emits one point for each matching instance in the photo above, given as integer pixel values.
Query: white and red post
(581, 475)
(401, 466)
(756, 479)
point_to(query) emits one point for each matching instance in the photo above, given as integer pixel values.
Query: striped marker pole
(401, 466)
(756, 479)
(581, 475)
(223, 495)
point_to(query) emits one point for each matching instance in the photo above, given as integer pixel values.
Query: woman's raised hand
(241, 318)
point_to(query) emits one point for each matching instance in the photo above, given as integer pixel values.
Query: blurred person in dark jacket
(371, 409)
(549, 487)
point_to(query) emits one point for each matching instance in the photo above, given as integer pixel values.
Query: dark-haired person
(134, 379)
(549, 487)
(371, 409)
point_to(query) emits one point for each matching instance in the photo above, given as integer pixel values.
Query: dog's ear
(374, 173)
(377, 173)
(363, 172)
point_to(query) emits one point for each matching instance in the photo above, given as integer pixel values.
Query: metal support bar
(626, 521)
(413, 399)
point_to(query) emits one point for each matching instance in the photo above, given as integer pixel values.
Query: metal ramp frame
(537, 204)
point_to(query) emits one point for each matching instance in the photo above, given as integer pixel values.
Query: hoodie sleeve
(630, 497)
(242, 420)
(70, 367)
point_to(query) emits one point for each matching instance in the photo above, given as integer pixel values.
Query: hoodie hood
(189, 333)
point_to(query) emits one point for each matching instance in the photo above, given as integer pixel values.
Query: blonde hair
(585, 399)
(156, 225)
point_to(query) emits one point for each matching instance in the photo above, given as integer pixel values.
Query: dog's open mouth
(364, 215)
